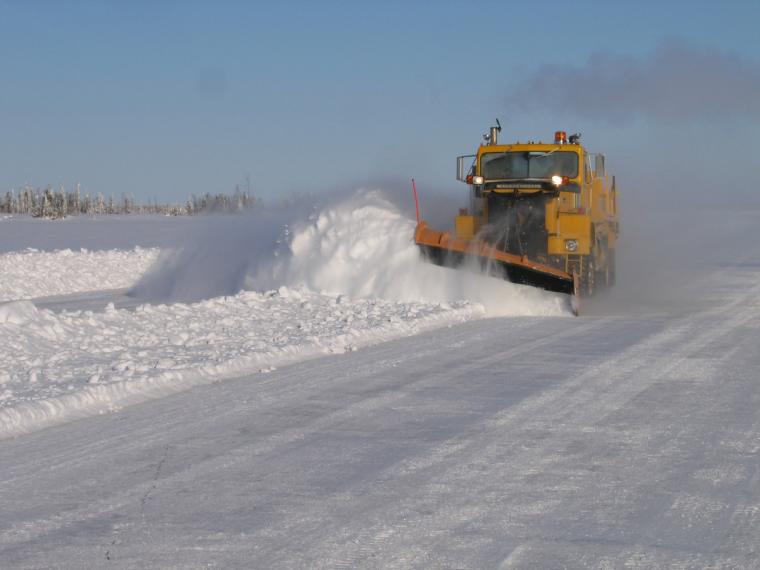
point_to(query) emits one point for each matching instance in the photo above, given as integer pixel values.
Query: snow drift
(17, 312)
(30, 273)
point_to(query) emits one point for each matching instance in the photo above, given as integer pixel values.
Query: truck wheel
(588, 276)
(601, 279)
(604, 275)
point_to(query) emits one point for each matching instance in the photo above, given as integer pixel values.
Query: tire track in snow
(586, 399)
(35, 529)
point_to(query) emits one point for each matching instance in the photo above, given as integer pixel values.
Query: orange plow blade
(444, 249)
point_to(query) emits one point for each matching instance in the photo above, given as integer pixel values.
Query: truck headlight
(571, 244)
(478, 180)
(557, 180)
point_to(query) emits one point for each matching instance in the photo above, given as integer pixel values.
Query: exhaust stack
(492, 137)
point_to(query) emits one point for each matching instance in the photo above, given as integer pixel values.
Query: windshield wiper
(540, 154)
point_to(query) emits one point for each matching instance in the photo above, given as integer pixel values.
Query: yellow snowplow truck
(541, 214)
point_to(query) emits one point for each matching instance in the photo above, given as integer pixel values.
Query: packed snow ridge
(30, 273)
(341, 279)
(62, 366)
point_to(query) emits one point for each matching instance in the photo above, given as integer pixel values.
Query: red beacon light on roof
(560, 137)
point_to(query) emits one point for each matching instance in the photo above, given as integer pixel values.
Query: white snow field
(627, 438)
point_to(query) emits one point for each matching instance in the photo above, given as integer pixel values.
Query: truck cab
(552, 203)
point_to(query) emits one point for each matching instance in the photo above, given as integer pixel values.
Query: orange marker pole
(416, 200)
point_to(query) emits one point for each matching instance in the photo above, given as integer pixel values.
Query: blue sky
(164, 99)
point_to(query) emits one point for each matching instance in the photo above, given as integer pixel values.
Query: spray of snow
(360, 246)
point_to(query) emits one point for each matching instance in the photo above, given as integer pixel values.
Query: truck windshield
(524, 164)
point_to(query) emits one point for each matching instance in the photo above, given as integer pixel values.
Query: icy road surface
(603, 441)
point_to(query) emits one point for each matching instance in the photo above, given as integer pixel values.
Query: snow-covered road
(604, 441)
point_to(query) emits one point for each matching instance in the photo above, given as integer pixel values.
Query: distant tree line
(50, 203)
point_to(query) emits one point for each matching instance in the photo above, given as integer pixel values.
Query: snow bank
(59, 367)
(30, 273)
(17, 312)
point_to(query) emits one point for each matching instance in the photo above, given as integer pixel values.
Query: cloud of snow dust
(664, 256)
(360, 246)
(214, 256)
(679, 81)
(678, 127)
(438, 206)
